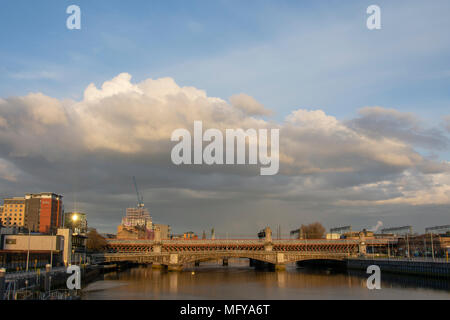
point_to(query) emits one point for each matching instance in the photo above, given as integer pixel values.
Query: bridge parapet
(248, 241)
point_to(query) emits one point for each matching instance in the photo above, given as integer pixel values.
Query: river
(240, 282)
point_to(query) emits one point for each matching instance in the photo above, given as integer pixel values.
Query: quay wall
(420, 268)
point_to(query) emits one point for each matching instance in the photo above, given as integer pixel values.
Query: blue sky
(287, 54)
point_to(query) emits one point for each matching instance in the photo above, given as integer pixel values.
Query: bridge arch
(227, 255)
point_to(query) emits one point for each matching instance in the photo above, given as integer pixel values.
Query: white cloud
(248, 105)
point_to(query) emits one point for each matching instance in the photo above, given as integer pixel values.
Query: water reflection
(239, 281)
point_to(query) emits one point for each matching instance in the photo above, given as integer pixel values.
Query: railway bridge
(174, 254)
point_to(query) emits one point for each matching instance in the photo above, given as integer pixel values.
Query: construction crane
(140, 202)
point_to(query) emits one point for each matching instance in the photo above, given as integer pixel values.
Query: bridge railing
(247, 241)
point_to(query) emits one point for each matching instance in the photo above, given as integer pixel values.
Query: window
(10, 241)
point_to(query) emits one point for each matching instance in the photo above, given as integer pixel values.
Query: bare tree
(95, 242)
(313, 231)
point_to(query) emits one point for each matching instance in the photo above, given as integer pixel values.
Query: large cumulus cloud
(89, 149)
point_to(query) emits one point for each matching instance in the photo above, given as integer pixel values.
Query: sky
(364, 115)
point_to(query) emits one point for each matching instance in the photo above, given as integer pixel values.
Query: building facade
(19, 250)
(139, 216)
(13, 212)
(137, 224)
(77, 221)
(43, 212)
(163, 229)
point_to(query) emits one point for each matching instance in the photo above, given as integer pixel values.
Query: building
(424, 245)
(43, 212)
(139, 216)
(190, 236)
(164, 230)
(42, 249)
(137, 224)
(67, 250)
(77, 221)
(133, 233)
(355, 235)
(13, 213)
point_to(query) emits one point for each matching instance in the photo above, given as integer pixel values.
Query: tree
(313, 231)
(95, 242)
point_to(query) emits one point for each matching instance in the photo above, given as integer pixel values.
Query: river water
(238, 281)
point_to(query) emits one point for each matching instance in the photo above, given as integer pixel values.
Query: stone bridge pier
(174, 263)
(280, 261)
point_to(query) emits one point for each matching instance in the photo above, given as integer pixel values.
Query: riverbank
(52, 282)
(424, 268)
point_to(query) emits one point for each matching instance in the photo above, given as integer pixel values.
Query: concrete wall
(164, 230)
(20, 242)
(67, 234)
(422, 268)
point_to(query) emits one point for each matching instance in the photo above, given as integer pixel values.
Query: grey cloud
(89, 150)
(380, 122)
(447, 122)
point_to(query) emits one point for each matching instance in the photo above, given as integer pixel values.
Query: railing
(32, 273)
(60, 294)
(405, 259)
(245, 241)
(10, 292)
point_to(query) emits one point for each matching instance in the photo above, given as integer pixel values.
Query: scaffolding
(438, 229)
(398, 230)
(341, 230)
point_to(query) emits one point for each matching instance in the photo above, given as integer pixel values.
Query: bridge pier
(156, 265)
(279, 267)
(175, 267)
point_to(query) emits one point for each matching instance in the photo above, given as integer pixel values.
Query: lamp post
(407, 244)
(432, 247)
(28, 251)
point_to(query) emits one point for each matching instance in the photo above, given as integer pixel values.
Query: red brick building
(43, 212)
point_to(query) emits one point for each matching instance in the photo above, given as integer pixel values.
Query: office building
(77, 221)
(43, 212)
(13, 213)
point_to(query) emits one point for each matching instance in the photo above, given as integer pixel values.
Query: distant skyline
(364, 116)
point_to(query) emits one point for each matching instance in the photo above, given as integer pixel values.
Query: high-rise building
(137, 224)
(43, 212)
(13, 212)
(139, 216)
